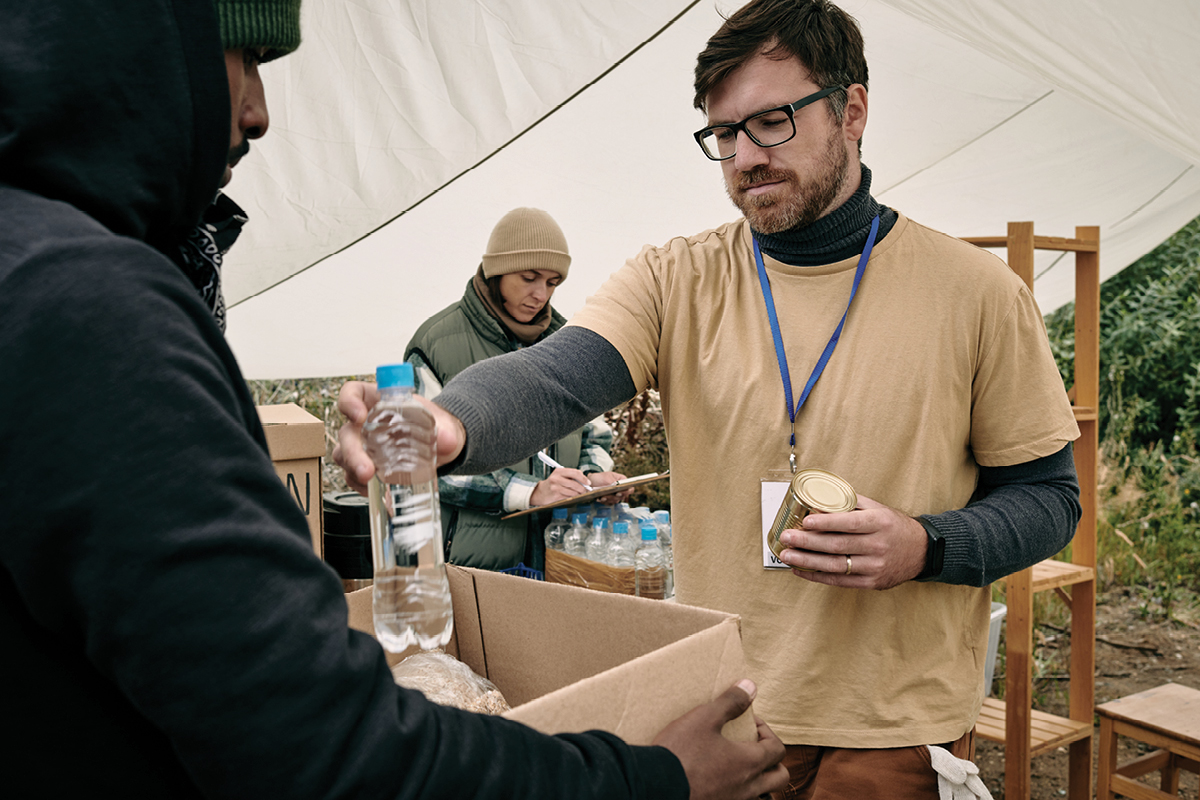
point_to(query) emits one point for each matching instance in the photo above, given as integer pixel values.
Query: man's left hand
(872, 547)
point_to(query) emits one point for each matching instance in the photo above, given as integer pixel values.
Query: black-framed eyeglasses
(766, 128)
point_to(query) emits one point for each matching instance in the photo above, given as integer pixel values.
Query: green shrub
(640, 447)
(1149, 344)
(1149, 523)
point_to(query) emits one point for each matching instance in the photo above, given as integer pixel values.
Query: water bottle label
(411, 523)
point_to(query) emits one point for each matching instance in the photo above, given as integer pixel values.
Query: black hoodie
(165, 629)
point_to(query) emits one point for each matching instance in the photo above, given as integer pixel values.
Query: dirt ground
(1135, 650)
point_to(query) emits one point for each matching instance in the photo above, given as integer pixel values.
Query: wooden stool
(1168, 718)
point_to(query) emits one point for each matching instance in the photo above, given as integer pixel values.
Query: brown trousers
(832, 773)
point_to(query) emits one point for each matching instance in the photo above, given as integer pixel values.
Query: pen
(550, 462)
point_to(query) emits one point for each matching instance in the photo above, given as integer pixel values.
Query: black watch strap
(935, 553)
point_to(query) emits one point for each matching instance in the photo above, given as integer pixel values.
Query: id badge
(774, 490)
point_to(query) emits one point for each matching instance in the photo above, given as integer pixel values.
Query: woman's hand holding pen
(561, 484)
(556, 486)
(554, 489)
(565, 483)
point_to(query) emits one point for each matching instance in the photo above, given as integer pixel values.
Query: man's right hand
(716, 767)
(355, 401)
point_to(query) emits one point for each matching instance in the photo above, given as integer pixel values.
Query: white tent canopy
(402, 131)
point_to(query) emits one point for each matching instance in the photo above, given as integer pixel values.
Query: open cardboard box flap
(569, 659)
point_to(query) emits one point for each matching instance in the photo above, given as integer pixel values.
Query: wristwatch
(935, 553)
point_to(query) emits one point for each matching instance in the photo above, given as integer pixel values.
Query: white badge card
(773, 492)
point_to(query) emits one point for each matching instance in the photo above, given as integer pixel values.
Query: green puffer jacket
(447, 343)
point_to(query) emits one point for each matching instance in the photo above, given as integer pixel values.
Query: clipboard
(600, 491)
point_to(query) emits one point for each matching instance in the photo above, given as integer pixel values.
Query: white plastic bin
(999, 610)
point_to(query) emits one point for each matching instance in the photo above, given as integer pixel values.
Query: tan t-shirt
(943, 364)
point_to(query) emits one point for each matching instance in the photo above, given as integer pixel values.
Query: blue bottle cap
(649, 531)
(620, 528)
(579, 519)
(559, 513)
(390, 376)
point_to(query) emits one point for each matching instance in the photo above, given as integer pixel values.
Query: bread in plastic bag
(449, 682)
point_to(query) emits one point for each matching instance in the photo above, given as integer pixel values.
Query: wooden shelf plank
(1047, 732)
(1069, 245)
(1039, 243)
(1138, 791)
(1051, 574)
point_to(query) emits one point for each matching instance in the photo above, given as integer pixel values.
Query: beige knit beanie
(526, 238)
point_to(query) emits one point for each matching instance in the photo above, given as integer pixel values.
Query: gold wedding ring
(849, 564)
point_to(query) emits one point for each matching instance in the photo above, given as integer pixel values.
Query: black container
(347, 535)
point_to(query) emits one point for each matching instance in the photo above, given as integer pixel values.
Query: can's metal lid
(823, 491)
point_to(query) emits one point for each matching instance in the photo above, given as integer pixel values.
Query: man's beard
(802, 204)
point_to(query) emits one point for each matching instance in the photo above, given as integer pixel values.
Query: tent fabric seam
(481, 161)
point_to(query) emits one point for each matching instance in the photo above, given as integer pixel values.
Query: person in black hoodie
(167, 630)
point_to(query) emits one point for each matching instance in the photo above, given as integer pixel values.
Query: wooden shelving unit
(1026, 733)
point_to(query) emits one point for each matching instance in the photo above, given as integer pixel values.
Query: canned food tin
(811, 490)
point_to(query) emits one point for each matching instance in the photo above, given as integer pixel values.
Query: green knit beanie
(273, 24)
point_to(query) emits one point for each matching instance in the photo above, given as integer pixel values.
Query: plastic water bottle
(597, 542)
(662, 519)
(575, 540)
(556, 531)
(649, 566)
(411, 600)
(600, 511)
(621, 548)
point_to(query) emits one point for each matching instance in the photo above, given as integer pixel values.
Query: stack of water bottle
(622, 537)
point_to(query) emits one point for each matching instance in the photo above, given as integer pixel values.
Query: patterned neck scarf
(206, 246)
(524, 332)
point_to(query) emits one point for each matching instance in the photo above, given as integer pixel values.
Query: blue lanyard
(765, 283)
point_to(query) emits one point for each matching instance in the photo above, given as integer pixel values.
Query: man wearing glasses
(822, 330)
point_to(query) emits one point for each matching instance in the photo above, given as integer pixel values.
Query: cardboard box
(575, 571)
(296, 441)
(569, 659)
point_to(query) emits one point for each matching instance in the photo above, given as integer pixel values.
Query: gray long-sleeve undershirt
(514, 404)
